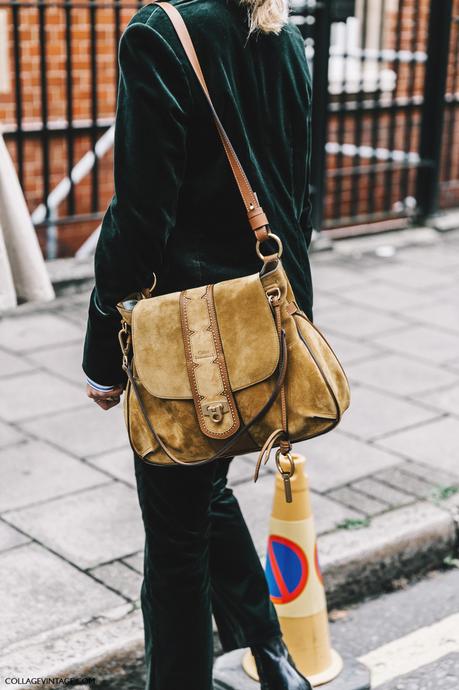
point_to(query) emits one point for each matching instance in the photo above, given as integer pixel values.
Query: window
(357, 50)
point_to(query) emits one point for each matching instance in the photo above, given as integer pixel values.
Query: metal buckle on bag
(215, 410)
(124, 338)
(273, 294)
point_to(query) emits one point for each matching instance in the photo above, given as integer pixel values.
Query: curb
(403, 543)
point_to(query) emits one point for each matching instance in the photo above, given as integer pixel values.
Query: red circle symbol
(287, 569)
(317, 564)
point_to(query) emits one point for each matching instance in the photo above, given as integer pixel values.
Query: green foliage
(354, 523)
(441, 493)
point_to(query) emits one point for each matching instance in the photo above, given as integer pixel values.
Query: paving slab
(64, 361)
(324, 300)
(422, 342)
(435, 258)
(449, 294)
(359, 322)
(9, 435)
(335, 459)
(383, 492)
(117, 463)
(446, 400)
(409, 483)
(432, 474)
(40, 591)
(256, 503)
(27, 333)
(121, 578)
(12, 364)
(241, 469)
(135, 561)
(10, 537)
(85, 431)
(417, 278)
(374, 413)
(436, 444)
(453, 365)
(349, 350)
(36, 394)
(36, 472)
(84, 649)
(385, 297)
(400, 375)
(89, 528)
(332, 278)
(444, 315)
(328, 514)
(357, 500)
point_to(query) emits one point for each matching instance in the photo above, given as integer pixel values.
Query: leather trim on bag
(206, 366)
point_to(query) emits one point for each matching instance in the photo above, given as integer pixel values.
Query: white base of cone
(325, 676)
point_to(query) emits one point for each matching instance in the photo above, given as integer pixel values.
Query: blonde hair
(267, 16)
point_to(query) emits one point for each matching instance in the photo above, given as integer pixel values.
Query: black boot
(275, 667)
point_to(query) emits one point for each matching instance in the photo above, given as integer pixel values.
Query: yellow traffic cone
(296, 585)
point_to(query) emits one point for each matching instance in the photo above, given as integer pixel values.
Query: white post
(28, 267)
(7, 291)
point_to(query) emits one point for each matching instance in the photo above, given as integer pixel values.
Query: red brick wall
(70, 235)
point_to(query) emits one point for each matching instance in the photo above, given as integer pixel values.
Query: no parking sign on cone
(296, 584)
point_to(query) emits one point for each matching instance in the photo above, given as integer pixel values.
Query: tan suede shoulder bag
(230, 368)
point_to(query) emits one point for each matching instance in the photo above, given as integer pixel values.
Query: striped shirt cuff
(99, 387)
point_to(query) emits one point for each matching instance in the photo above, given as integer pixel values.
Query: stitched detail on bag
(208, 376)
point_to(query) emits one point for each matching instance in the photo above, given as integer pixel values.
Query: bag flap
(247, 331)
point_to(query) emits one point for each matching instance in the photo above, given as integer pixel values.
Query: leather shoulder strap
(257, 218)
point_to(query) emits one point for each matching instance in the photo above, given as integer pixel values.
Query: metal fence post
(320, 109)
(428, 182)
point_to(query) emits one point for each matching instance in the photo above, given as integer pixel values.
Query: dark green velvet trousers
(199, 560)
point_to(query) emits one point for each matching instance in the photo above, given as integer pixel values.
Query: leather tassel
(265, 452)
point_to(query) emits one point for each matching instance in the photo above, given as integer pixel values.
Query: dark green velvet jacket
(176, 210)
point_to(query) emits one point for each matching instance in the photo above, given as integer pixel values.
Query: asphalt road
(408, 638)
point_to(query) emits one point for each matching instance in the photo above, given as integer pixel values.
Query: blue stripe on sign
(289, 565)
(272, 584)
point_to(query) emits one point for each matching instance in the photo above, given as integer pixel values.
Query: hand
(105, 399)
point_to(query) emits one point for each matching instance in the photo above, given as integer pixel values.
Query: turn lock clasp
(215, 410)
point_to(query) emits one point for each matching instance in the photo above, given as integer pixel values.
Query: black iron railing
(385, 88)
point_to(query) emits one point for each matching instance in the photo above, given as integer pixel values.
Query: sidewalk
(384, 484)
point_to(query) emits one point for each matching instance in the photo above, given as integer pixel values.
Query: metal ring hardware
(285, 473)
(278, 241)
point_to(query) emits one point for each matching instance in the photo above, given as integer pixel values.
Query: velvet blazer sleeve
(149, 162)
